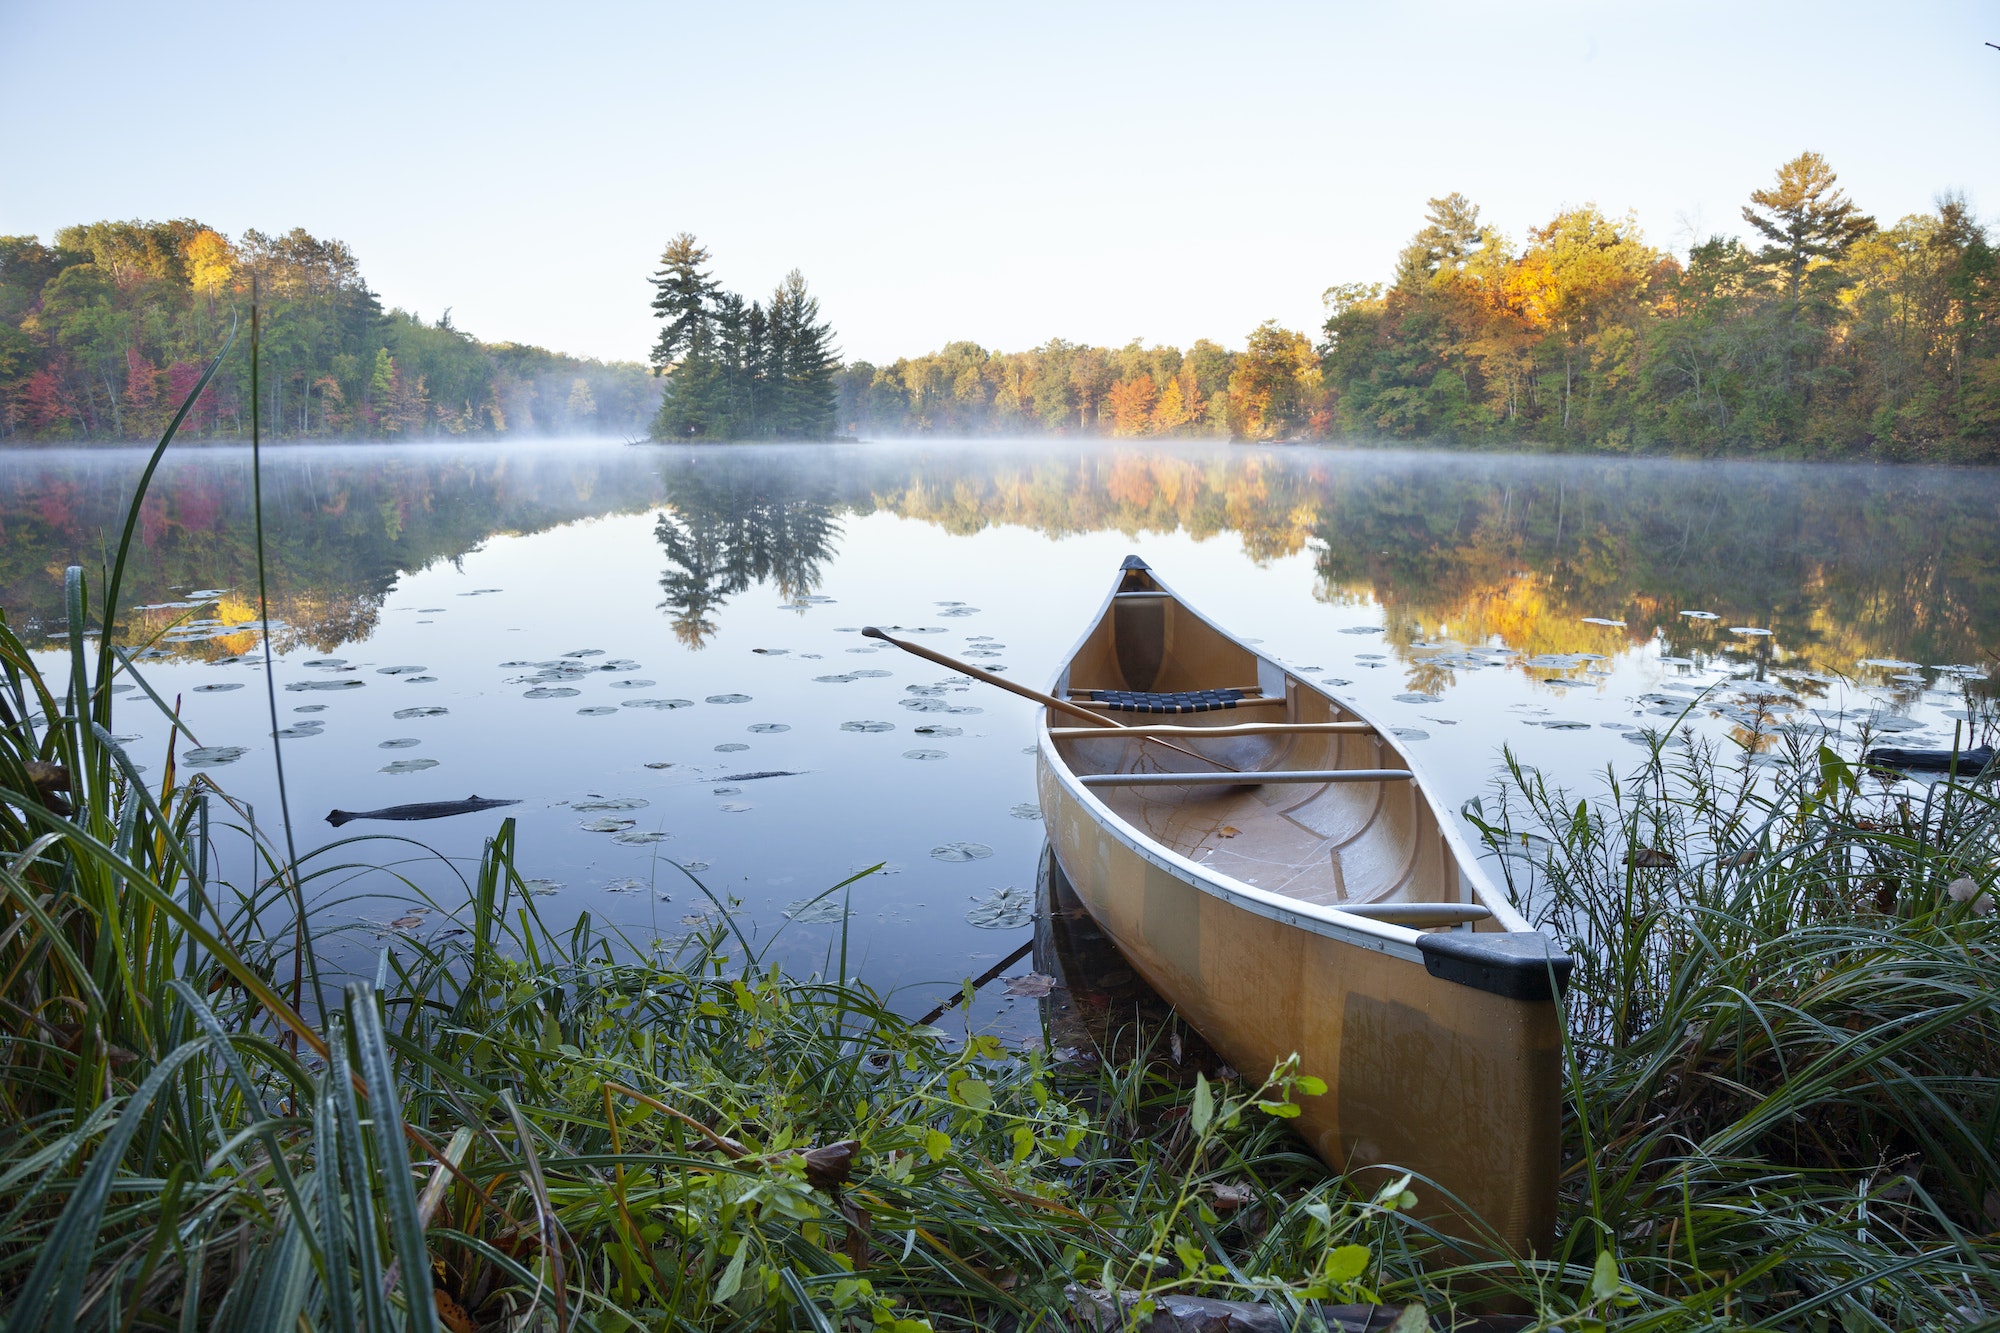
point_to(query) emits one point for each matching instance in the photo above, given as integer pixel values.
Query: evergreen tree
(803, 361)
(685, 299)
(1804, 217)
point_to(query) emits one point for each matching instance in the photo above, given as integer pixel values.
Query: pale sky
(1004, 173)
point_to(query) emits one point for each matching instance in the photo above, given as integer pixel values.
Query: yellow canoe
(1325, 907)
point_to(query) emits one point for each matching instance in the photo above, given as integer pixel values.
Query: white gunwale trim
(1331, 922)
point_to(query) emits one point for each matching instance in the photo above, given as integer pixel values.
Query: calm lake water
(616, 635)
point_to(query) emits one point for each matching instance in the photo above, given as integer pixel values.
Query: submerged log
(1931, 761)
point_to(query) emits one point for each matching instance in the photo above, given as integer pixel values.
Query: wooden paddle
(1045, 700)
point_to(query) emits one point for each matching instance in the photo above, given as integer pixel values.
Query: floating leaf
(610, 803)
(1701, 615)
(771, 652)
(1600, 620)
(1410, 733)
(728, 699)
(1002, 909)
(398, 671)
(730, 747)
(400, 743)
(809, 913)
(736, 807)
(961, 851)
(768, 728)
(1032, 986)
(299, 731)
(585, 652)
(871, 673)
(939, 729)
(310, 708)
(552, 692)
(868, 726)
(633, 684)
(428, 710)
(596, 710)
(1025, 810)
(348, 684)
(209, 756)
(606, 825)
(409, 766)
(219, 687)
(324, 662)
(926, 754)
(641, 837)
(662, 704)
(1416, 698)
(1750, 631)
(844, 678)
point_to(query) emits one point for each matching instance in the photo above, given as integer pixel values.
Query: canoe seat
(1191, 701)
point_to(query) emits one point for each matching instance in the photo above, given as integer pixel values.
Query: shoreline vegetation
(1783, 1067)
(1820, 333)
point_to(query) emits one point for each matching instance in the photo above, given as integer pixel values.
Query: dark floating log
(420, 810)
(1931, 761)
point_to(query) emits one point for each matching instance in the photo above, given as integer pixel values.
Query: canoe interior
(1345, 843)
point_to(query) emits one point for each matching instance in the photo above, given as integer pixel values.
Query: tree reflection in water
(727, 528)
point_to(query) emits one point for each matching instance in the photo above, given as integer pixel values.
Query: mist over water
(656, 650)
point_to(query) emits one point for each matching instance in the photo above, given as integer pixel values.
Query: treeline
(1824, 334)
(736, 369)
(104, 332)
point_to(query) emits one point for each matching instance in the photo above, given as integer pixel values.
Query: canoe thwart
(1418, 915)
(1250, 778)
(1184, 701)
(1223, 732)
(1519, 965)
(1121, 708)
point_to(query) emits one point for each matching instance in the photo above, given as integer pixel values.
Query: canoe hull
(1424, 1074)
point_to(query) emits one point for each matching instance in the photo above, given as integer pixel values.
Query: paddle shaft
(1015, 687)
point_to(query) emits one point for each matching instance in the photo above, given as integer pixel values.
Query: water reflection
(1553, 558)
(735, 524)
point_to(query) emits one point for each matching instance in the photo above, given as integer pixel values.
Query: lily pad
(399, 670)
(870, 674)
(596, 710)
(1601, 620)
(809, 913)
(728, 699)
(209, 756)
(1025, 810)
(1002, 909)
(771, 652)
(324, 662)
(868, 726)
(348, 684)
(735, 807)
(427, 710)
(1416, 698)
(730, 747)
(606, 825)
(400, 743)
(1410, 733)
(551, 692)
(663, 705)
(219, 687)
(1701, 615)
(298, 731)
(768, 728)
(610, 803)
(633, 684)
(961, 851)
(957, 612)
(585, 652)
(1750, 631)
(542, 888)
(409, 765)
(844, 678)
(926, 754)
(641, 837)
(939, 729)
(310, 708)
